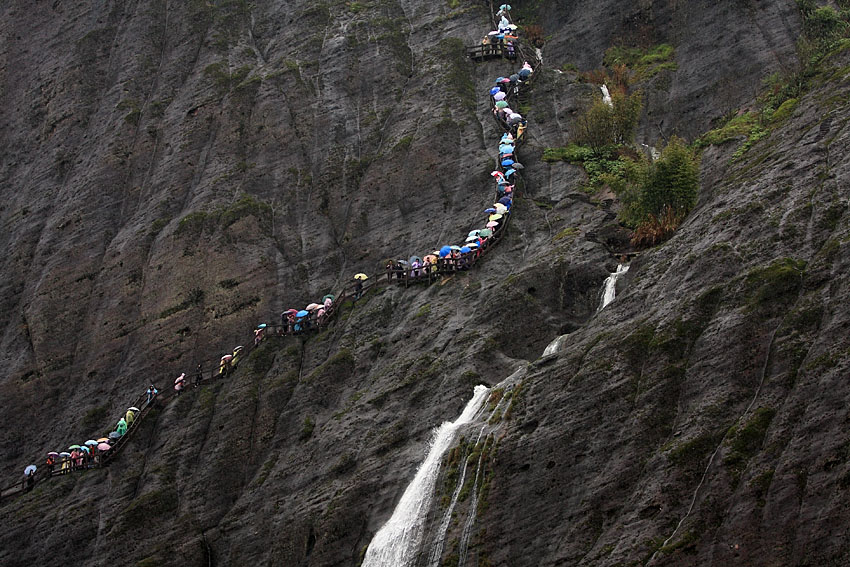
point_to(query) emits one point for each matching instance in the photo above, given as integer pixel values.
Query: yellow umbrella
(495, 217)
(361, 277)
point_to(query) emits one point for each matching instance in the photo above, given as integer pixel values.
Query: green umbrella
(73, 447)
(486, 232)
(501, 104)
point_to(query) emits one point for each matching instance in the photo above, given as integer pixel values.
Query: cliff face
(174, 174)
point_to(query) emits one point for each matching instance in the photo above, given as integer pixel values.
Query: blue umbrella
(499, 80)
(490, 210)
(506, 147)
(507, 162)
(465, 249)
(495, 90)
(510, 172)
(302, 313)
(506, 201)
(262, 326)
(445, 251)
(475, 232)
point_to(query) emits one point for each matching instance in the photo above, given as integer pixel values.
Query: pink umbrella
(313, 307)
(104, 446)
(492, 224)
(499, 96)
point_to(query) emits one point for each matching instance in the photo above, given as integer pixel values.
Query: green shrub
(602, 126)
(672, 180)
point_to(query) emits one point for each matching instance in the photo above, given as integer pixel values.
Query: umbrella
(497, 173)
(471, 238)
(402, 262)
(506, 147)
(313, 307)
(445, 251)
(361, 276)
(493, 33)
(501, 103)
(511, 171)
(104, 446)
(86, 449)
(495, 217)
(103, 440)
(133, 408)
(505, 201)
(328, 296)
(465, 249)
(455, 247)
(262, 326)
(415, 259)
(238, 349)
(490, 210)
(499, 96)
(495, 90)
(498, 79)
(227, 357)
(505, 80)
(52, 454)
(507, 162)
(486, 232)
(492, 224)
(180, 378)
(505, 7)
(73, 447)
(514, 78)
(302, 314)
(508, 111)
(473, 245)
(114, 435)
(91, 442)
(30, 469)
(430, 258)
(513, 27)
(291, 311)
(64, 454)
(517, 165)
(474, 233)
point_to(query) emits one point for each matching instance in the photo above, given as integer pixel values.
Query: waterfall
(397, 543)
(539, 55)
(609, 288)
(554, 346)
(606, 96)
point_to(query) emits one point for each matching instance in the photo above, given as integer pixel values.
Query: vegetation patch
(746, 441)
(644, 63)
(194, 297)
(777, 282)
(95, 417)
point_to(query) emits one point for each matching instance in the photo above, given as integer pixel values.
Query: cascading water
(554, 346)
(397, 543)
(606, 96)
(609, 289)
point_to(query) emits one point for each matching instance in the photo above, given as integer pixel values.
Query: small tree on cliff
(602, 126)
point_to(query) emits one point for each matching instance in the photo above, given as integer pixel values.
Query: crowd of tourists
(448, 258)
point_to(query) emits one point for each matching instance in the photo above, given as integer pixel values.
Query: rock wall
(177, 173)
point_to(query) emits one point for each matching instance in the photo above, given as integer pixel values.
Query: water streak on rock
(609, 288)
(606, 96)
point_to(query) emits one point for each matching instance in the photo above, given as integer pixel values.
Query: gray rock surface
(174, 174)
